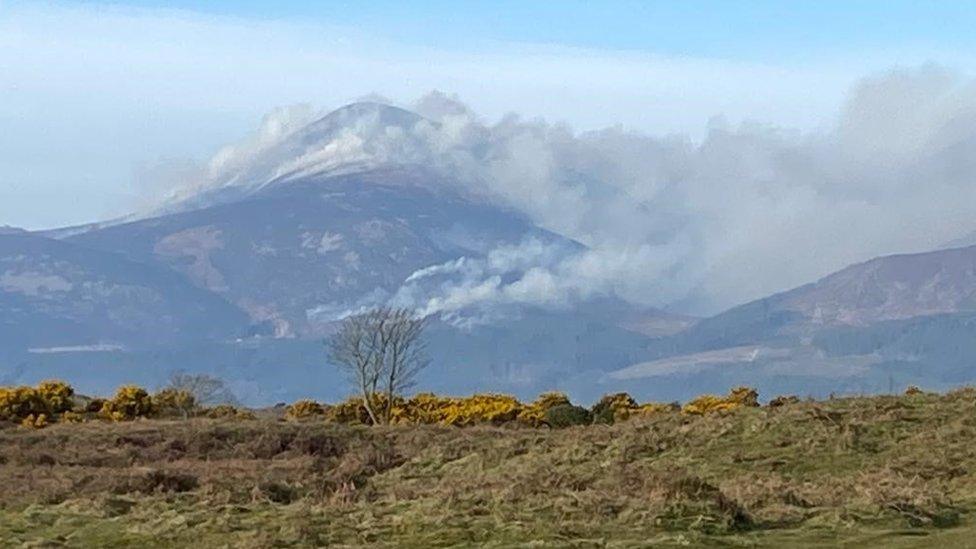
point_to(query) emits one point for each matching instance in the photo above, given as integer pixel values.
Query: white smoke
(668, 221)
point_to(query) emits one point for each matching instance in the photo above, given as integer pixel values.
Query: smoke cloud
(667, 221)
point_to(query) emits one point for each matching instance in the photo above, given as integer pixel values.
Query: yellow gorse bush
(173, 401)
(130, 402)
(304, 409)
(350, 410)
(614, 407)
(424, 408)
(427, 408)
(486, 408)
(35, 406)
(226, 411)
(621, 406)
(740, 397)
(35, 422)
(72, 417)
(480, 408)
(17, 403)
(56, 396)
(535, 414)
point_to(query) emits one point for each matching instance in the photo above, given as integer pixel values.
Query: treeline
(56, 402)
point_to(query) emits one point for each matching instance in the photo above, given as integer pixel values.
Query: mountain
(910, 316)
(57, 294)
(356, 138)
(293, 256)
(883, 289)
(293, 239)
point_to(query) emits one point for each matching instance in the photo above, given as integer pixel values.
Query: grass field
(859, 472)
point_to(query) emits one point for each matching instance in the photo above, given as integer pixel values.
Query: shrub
(19, 402)
(535, 414)
(174, 402)
(350, 410)
(912, 390)
(72, 417)
(426, 408)
(130, 402)
(28, 404)
(481, 408)
(95, 405)
(478, 408)
(35, 422)
(738, 398)
(744, 396)
(567, 415)
(304, 409)
(613, 408)
(56, 396)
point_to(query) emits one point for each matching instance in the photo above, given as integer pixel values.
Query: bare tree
(205, 389)
(382, 351)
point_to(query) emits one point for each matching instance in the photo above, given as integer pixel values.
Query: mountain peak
(356, 137)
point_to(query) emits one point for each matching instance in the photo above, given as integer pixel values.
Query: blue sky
(102, 102)
(743, 30)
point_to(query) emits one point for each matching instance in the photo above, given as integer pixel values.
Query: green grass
(858, 472)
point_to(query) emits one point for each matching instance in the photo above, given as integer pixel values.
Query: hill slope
(293, 254)
(865, 472)
(910, 318)
(55, 293)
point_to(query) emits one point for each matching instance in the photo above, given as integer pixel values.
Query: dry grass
(892, 471)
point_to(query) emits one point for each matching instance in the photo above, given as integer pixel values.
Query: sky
(103, 103)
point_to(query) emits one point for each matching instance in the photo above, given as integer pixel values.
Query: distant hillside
(906, 317)
(56, 294)
(887, 288)
(293, 256)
